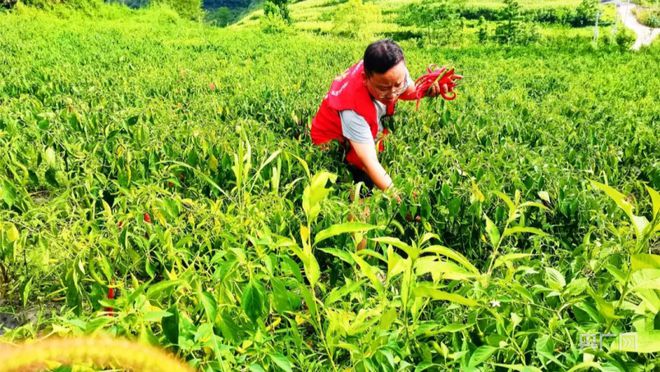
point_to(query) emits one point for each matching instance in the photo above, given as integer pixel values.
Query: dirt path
(645, 35)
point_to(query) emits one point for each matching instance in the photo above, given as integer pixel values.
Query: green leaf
(283, 299)
(230, 330)
(281, 361)
(253, 300)
(586, 366)
(455, 327)
(651, 300)
(209, 305)
(199, 173)
(256, 368)
(522, 229)
(545, 348)
(106, 268)
(655, 200)
(395, 264)
(554, 279)
(155, 315)
(441, 269)
(616, 273)
(303, 163)
(509, 203)
(646, 279)
(213, 163)
(427, 291)
(423, 366)
(315, 193)
(510, 257)
(533, 204)
(170, 326)
(398, 244)
(339, 253)
(617, 197)
(50, 157)
(388, 317)
(450, 253)
(12, 233)
(593, 314)
(518, 367)
(311, 265)
(493, 232)
(637, 342)
(605, 308)
(8, 193)
(268, 160)
(576, 287)
(480, 355)
(26, 291)
(156, 289)
(349, 227)
(645, 261)
(522, 291)
(639, 222)
(368, 271)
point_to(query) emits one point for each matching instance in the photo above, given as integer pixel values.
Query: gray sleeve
(355, 127)
(411, 82)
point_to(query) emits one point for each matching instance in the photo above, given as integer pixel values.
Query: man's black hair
(381, 56)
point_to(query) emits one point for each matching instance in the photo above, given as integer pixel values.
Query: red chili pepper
(147, 218)
(212, 86)
(111, 296)
(442, 76)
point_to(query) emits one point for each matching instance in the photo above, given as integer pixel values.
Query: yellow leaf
(12, 233)
(213, 163)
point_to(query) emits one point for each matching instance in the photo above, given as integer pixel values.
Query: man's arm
(367, 154)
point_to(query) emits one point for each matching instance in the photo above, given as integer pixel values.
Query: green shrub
(482, 34)
(624, 38)
(354, 18)
(221, 16)
(513, 29)
(585, 13)
(277, 7)
(189, 9)
(273, 23)
(8, 3)
(649, 17)
(49, 4)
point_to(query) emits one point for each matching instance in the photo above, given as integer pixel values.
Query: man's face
(387, 87)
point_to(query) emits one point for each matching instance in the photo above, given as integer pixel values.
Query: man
(353, 110)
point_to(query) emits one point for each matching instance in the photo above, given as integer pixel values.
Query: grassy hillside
(392, 16)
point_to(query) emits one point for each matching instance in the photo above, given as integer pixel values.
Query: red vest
(347, 92)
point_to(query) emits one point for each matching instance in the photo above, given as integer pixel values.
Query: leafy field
(172, 161)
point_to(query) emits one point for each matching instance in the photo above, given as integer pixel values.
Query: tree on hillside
(513, 29)
(8, 3)
(585, 14)
(221, 16)
(231, 4)
(354, 19)
(277, 8)
(191, 9)
(47, 4)
(506, 32)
